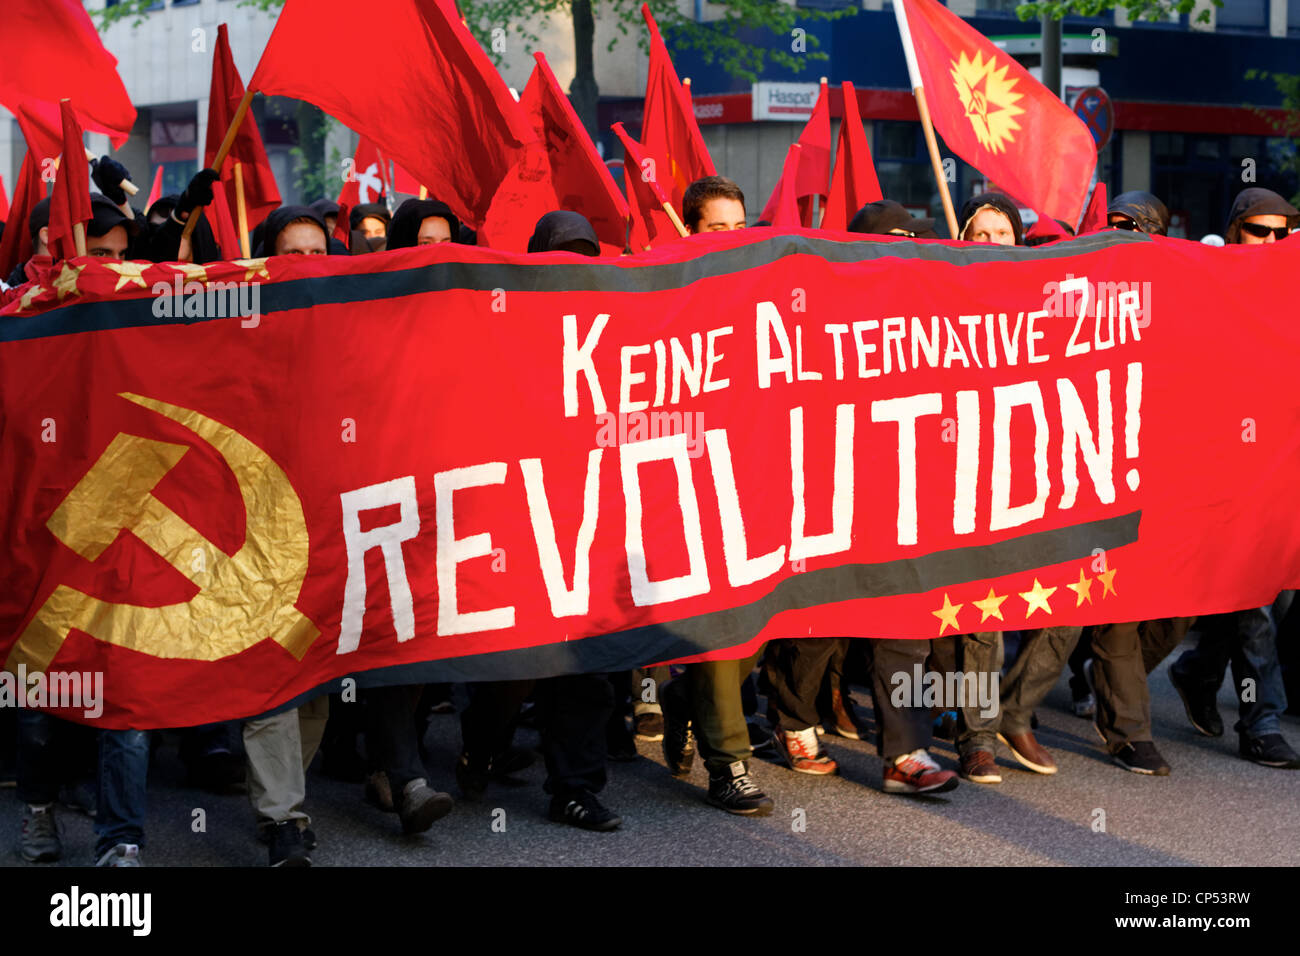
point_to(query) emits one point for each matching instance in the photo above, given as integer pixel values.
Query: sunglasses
(1128, 224)
(1261, 232)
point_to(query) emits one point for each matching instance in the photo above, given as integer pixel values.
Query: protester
(371, 219)
(1138, 211)
(713, 204)
(422, 222)
(1258, 216)
(992, 218)
(888, 218)
(293, 231)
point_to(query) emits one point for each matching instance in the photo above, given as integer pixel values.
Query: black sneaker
(1141, 756)
(580, 808)
(679, 745)
(735, 791)
(509, 761)
(1269, 750)
(287, 847)
(1202, 710)
(308, 836)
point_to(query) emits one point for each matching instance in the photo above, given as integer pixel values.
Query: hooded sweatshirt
(1146, 210)
(404, 231)
(998, 202)
(557, 228)
(1257, 201)
(275, 223)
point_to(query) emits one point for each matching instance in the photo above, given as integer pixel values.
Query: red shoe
(917, 773)
(802, 752)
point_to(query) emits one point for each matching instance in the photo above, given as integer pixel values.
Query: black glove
(108, 174)
(198, 192)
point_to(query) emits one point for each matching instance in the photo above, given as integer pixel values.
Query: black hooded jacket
(1258, 201)
(555, 229)
(404, 230)
(1146, 210)
(1002, 204)
(278, 220)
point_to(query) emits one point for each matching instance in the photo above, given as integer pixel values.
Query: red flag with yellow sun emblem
(997, 117)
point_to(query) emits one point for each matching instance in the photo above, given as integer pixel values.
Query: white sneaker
(124, 854)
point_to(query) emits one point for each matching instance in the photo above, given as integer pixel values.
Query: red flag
(42, 125)
(155, 191)
(404, 182)
(70, 202)
(444, 114)
(524, 196)
(1094, 217)
(1047, 228)
(669, 134)
(854, 182)
(52, 52)
(4, 202)
(366, 181)
(783, 210)
(996, 116)
(16, 246)
(645, 196)
(579, 177)
(814, 172)
(261, 196)
(343, 225)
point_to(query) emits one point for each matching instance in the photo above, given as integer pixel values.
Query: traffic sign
(1093, 106)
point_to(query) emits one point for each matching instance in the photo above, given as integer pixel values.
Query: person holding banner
(1138, 211)
(713, 204)
(992, 217)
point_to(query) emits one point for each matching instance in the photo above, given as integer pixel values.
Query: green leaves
(1136, 9)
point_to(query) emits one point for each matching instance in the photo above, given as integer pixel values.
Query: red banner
(231, 486)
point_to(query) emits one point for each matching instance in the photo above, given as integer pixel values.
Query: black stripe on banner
(526, 277)
(623, 650)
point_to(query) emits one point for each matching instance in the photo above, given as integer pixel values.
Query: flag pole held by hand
(222, 153)
(128, 187)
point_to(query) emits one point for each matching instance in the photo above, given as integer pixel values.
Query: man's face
(1272, 223)
(1117, 220)
(989, 225)
(721, 215)
(433, 229)
(111, 245)
(331, 220)
(300, 239)
(372, 227)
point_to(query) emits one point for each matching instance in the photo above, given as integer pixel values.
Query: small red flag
(996, 116)
(645, 196)
(814, 173)
(4, 202)
(670, 136)
(579, 177)
(52, 52)
(16, 246)
(444, 113)
(261, 196)
(343, 225)
(155, 191)
(70, 202)
(366, 181)
(783, 210)
(1046, 228)
(1094, 217)
(854, 182)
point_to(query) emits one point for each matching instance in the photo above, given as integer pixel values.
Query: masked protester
(992, 218)
(162, 242)
(423, 222)
(888, 218)
(293, 230)
(1138, 211)
(1259, 216)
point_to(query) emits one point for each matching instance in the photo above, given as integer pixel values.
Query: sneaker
(802, 752)
(917, 773)
(1029, 752)
(945, 726)
(287, 847)
(649, 726)
(978, 766)
(40, 841)
(443, 707)
(679, 744)
(1085, 706)
(124, 854)
(80, 797)
(1142, 757)
(421, 805)
(581, 809)
(1269, 750)
(379, 792)
(1200, 706)
(843, 720)
(510, 761)
(735, 791)
(264, 832)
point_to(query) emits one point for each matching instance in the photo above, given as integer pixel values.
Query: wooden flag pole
(424, 192)
(79, 237)
(935, 162)
(677, 220)
(241, 211)
(128, 187)
(222, 153)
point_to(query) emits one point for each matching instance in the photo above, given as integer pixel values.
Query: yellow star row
(132, 273)
(1036, 598)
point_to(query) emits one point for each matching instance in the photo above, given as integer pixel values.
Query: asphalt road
(1215, 808)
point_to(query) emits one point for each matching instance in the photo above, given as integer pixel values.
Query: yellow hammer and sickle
(243, 598)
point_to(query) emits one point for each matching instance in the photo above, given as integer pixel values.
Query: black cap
(107, 216)
(880, 217)
(1143, 208)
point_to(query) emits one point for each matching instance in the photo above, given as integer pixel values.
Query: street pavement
(1215, 808)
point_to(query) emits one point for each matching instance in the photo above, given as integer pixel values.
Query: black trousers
(1123, 656)
(795, 668)
(906, 728)
(391, 739)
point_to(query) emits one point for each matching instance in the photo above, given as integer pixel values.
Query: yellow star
(1107, 579)
(991, 606)
(193, 271)
(1037, 597)
(1083, 589)
(26, 301)
(66, 283)
(129, 273)
(255, 267)
(947, 614)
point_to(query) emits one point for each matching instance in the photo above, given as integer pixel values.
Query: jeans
(123, 770)
(1248, 641)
